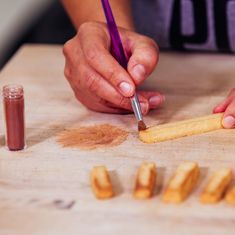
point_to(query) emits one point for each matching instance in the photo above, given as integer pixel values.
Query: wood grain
(46, 190)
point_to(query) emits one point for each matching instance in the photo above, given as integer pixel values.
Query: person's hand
(97, 79)
(228, 107)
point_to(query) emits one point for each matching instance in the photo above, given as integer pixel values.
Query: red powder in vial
(13, 99)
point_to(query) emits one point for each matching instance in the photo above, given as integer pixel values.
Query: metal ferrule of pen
(136, 108)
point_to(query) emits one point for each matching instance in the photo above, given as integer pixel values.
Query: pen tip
(141, 126)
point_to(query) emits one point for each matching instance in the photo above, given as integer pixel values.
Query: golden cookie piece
(182, 183)
(101, 183)
(145, 181)
(215, 188)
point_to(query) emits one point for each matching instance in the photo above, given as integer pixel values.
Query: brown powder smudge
(92, 137)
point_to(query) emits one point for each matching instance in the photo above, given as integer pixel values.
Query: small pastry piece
(180, 129)
(216, 186)
(101, 183)
(182, 183)
(145, 181)
(230, 196)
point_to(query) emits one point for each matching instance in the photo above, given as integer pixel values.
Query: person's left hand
(228, 107)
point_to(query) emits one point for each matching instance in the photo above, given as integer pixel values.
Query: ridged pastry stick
(216, 186)
(230, 196)
(183, 128)
(182, 183)
(101, 183)
(145, 181)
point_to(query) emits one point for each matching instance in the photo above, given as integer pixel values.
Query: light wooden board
(30, 181)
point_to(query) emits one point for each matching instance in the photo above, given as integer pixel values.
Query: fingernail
(144, 108)
(156, 100)
(126, 89)
(229, 122)
(138, 72)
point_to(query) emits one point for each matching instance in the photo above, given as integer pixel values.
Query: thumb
(143, 60)
(229, 116)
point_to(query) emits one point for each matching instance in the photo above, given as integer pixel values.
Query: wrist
(81, 11)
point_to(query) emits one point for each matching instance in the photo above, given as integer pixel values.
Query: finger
(86, 77)
(155, 99)
(97, 104)
(98, 86)
(148, 100)
(220, 108)
(72, 51)
(223, 105)
(143, 60)
(229, 116)
(121, 111)
(100, 59)
(144, 105)
(74, 59)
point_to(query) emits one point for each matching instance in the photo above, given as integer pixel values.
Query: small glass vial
(13, 100)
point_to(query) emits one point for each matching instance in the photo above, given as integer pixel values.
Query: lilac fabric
(204, 25)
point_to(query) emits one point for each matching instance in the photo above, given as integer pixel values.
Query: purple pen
(118, 53)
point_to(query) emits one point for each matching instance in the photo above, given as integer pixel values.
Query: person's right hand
(97, 79)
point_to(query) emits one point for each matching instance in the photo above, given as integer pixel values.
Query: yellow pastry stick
(181, 129)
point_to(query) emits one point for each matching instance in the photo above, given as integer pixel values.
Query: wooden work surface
(40, 184)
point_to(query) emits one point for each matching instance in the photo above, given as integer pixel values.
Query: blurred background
(31, 21)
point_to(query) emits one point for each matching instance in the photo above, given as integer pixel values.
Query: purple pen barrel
(117, 49)
(118, 53)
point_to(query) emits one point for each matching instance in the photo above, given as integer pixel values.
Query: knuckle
(74, 87)
(67, 48)
(72, 50)
(92, 54)
(123, 103)
(92, 81)
(152, 50)
(83, 27)
(67, 72)
(152, 42)
(149, 58)
(96, 108)
(233, 103)
(80, 98)
(87, 26)
(231, 107)
(230, 110)
(112, 77)
(148, 54)
(232, 93)
(152, 57)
